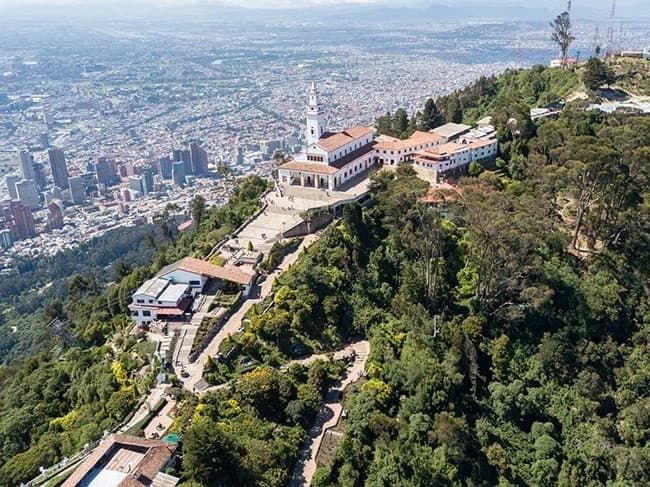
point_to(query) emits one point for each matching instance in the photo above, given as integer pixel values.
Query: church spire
(316, 125)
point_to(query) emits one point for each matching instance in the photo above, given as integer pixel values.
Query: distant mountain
(344, 13)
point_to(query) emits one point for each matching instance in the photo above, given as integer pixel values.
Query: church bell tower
(316, 124)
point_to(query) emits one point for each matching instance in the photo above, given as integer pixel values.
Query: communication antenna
(520, 59)
(596, 44)
(610, 31)
(620, 37)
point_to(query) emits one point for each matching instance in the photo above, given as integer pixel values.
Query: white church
(330, 159)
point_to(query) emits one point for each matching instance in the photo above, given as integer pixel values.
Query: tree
(210, 457)
(475, 168)
(454, 113)
(400, 122)
(562, 35)
(431, 117)
(597, 73)
(197, 210)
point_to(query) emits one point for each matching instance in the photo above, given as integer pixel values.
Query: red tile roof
(206, 269)
(333, 140)
(314, 167)
(386, 142)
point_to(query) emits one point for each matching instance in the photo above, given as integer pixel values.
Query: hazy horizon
(623, 7)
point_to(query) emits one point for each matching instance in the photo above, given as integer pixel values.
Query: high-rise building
(136, 183)
(199, 159)
(59, 168)
(178, 173)
(239, 155)
(26, 160)
(105, 171)
(77, 189)
(11, 185)
(125, 194)
(18, 218)
(165, 167)
(5, 239)
(183, 155)
(147, 179)
(48, 120)
(56, 214)
(28, 193)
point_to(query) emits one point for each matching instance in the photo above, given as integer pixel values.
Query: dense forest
(45, 280)
(88, 373)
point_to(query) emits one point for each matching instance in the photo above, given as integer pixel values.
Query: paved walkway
(328, 417)
(163, 419)
(154, 396)
(233, 323)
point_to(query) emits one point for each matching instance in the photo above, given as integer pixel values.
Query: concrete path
(163, 419)
(233, 323)
(348, 351)
(154, 396)
(328, 417)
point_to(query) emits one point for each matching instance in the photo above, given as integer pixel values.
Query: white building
(170, 293)
(330, 159)
(160, 298)
(392, 151)
(453, 158)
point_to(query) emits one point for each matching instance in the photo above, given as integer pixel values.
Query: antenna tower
(596, 44)
(610, 31)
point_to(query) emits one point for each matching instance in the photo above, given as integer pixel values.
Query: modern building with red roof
(168, 295)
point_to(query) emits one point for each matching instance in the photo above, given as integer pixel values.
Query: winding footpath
(328, 417)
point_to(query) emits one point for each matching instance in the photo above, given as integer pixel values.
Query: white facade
(329, 159)
(316, 123)
(158, 297)
(454, 158)
(196, 281)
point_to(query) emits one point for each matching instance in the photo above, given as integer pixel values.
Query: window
(195, 283)
(146, 313)
(151, 301)
(139, 301)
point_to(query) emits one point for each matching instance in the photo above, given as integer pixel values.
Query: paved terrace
(283, 212)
